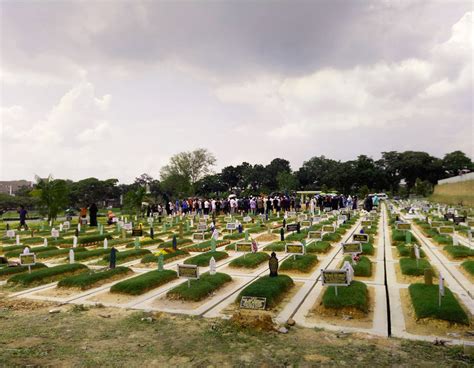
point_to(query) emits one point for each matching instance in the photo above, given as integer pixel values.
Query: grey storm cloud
(249, 80)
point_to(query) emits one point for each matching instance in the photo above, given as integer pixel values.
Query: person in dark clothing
(368, 204)
(23, 214)
(354, 203)
(93, 214)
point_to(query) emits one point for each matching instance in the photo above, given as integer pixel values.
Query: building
(10, 187)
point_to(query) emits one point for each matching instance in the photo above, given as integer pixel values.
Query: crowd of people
(252, 205)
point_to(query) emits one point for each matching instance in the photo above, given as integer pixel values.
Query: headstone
(181, 231)
(273, 265)
(212, 266)
(160, 262)
(106, 243)
(45, 242)
(254, 246)
(175, 242)
(408, 237)
(71, 256)
(26, 250)
(18, 239)
(74, 242)
(282, 234)
(213, 245)
(76, 233)
(78, 227)
(113, 257)
(61, 227)
(428, 274)
(246, 235)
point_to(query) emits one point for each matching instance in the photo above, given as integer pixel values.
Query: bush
(302, 263)
(8, 271)
(355, 295)
(88, 279)
(142, 283)
(199, 289)
(271, 288)
(425, 302)
(362, 268)
(250, 260)
(46, 275)
(203, 259)
(459, 251)
(408, 266)
(318, 247)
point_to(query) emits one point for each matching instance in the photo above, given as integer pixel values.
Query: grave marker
(253, 302)
(363, 238)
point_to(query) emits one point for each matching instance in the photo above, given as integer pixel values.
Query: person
(83, 215)
(23, 214)
(93, 214)
(368, 204)
(110, 216)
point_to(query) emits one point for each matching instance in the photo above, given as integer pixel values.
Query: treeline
(189, 173)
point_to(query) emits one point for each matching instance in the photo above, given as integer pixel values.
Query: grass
(425, 302)
(355, 296)
(47, 275)
(203, 259)
(332, 237)
(271, 288)
(151, 258)
(459, 251)
(318, 247)
(91, 254)
(234, 236)
(363, 268)
(443, 239)
(199, 289)
(179, 242)
(368, 249)
(278, 246)
(406, 251)
(468, 266)
(205, 246)
(301, 263)
(251, 260)
(36, 250)
(8, 271)
(87, 280)
(398, 235)
(408, 266)
(141, 284)
(144, 243)
(59, 252)
(127, 255)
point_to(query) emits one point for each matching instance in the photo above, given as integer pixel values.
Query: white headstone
(26, 250)
(60, 227)
(74, 241)
(417, 252)
(45, 243)
(18, 240)
(215, 234)
(455, 241)
(106, 243)
(79, 227)
(212, 266)
(349, 269)
(71, 256)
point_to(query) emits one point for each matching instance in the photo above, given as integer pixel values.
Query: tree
(133, 199)
(192, 165)
(230, 176)
(423, 187)
(456, 161)
(286, 181)
(52, 195)
(210, 184)
(276, 166)
(176, 186)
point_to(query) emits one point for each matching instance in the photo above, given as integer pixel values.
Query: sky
(114, 89)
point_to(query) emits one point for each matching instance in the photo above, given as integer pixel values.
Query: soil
(350, 317)
(431, 326)
(267, 238)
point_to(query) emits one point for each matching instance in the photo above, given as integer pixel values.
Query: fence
(457, 179)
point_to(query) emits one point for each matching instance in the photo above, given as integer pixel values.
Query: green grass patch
(199, 289)
(234, 236)
(47, 275)
(468, 266)
(409, 267)
(250, 260)
(179, 243)
(355, 295)
(425, 302)
(459, 251)
(59, 252)
(89, 279)
(203, 259)
(143, 283)
(205, 246)
(8, 271)
(368, 249)
(36, 250)
(301, 263)
(406, 250)
(145, 243)
(318, 247)
(272, 288)
(80, 256)
(151, 258)
(127, 255)
(363, 268)
(332, 237)
(278, 246)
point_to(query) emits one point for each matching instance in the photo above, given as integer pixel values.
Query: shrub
(468, 266)
(46, 275)
(203, 259)
(87, 280)
(353, 296)
(199, 289)
(368, 248)
(425, 302)
(302, 263)
(408, 266)
(250, 260)
(271, 288)
(142, 283)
